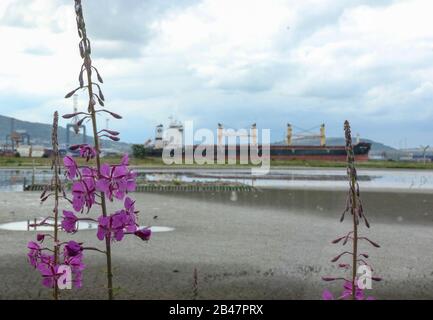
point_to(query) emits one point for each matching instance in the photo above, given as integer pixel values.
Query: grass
(8, 162)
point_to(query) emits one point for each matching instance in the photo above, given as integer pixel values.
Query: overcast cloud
(230, 61)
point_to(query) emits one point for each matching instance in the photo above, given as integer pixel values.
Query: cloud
(235, 62)
(38, 51)
(34, 14)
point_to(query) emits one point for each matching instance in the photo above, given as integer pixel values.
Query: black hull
(281, 152)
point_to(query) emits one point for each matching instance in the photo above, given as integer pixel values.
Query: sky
(235, 62)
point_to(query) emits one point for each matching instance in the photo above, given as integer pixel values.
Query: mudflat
(269, 244)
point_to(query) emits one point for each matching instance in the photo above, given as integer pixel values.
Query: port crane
(74, 125)
(17, 136)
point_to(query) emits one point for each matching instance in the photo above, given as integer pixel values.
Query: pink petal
(106, 170)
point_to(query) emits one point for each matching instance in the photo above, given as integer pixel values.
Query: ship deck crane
(305, 134)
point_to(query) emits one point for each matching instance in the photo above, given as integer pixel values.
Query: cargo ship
(287, 151)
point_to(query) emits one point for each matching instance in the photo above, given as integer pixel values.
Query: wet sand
(272, 244)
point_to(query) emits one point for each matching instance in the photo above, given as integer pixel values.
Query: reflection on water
(296, 178)
(13, 180)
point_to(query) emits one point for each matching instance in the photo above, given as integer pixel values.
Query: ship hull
(281, 152)
(320, 153)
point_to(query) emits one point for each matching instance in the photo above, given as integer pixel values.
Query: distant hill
(40, 134)
(376, 147)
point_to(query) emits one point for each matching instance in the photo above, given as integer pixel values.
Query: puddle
(159, 228)
(81, 225)
(26, 226)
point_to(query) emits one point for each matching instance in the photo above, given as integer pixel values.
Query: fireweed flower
(46, 259)
(83, 194)
(48, 270)
(87, 152)
(111, 227)
(73, 257)
(143, 234)
(129, 215)
(72, 249)
(69, 222)
(77, 267)
(116, 181)
(119, 223)
(71, 167)
(34, 253)
(111, 181)
(49, 274)
(76, 262)
(347, 292)
(129, 205)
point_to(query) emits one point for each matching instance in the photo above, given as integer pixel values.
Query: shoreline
(25, 162)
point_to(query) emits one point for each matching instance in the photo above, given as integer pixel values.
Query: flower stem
(85, 46)
(355, 239)
(351, 171)
(56, 167)
(98, 165)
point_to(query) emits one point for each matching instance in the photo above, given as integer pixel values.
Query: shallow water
(417, 180)
(14, 179)
(81, 226)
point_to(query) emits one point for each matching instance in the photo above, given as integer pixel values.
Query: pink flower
(111, 227)
(73, 253)
(115, 181)
(34, 253)
(69, 222)
(129, 212)
(72, 249)
(347, 291)
(143, 234)
(87, 152)
(71, 167)
(116, 225)
(83, 194)
(49, 274)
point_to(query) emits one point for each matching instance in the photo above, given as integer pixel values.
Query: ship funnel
(254, 134)
(289, 134)
(220, 134)
(322, 135)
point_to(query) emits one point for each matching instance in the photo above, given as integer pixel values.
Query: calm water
(14, 179)
(417, 180)
(304, 178)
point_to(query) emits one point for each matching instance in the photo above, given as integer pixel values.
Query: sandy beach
(270, 244)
